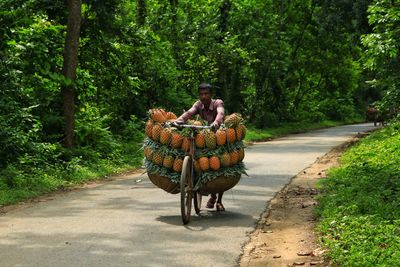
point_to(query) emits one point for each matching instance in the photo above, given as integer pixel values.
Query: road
(129, 222)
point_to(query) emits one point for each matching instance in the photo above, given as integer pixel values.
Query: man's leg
(211, 201)
(220, 206)
(220, 197)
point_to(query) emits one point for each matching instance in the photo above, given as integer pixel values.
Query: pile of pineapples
(217, 153)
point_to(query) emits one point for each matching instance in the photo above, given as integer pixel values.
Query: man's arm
(219, 119)
(188, 114)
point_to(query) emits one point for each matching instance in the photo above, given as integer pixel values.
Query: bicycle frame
(188, 177)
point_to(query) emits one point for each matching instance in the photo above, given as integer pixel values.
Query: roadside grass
(359, 207)
(19, 182)
(36, 175)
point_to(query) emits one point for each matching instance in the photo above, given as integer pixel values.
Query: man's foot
(211, 203)
(220, 207)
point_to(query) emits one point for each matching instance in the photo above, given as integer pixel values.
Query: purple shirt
(214, 113)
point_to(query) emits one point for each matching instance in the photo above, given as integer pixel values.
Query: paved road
(129, 222)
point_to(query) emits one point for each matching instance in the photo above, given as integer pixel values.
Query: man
(211, 110)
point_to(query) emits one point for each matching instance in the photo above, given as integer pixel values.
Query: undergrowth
(359, 208)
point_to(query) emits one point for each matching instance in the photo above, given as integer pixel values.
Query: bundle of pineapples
(217, 154)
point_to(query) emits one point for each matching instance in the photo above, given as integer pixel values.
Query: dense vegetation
(282, 64)
(360, 207)
(276, 62)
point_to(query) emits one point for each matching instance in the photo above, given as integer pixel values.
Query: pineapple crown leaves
(200, 119)
(233, 120)
(185, 132)
(202, 153)
(164, 149)
(167, 150)
(162, 171)
(219, 150)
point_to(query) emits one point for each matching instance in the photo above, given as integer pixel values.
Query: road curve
(129, 222)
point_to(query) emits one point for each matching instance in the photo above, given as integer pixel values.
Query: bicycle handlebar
(197, 127)
(193, 127)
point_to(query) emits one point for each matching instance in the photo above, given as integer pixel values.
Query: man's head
(204, 90)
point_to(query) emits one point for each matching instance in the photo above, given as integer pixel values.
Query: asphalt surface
(130, 222)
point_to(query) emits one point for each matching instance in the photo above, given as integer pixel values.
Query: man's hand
(214, 126)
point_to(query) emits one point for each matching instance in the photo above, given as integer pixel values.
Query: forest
(78, 77)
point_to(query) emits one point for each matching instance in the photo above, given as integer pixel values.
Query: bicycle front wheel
(186, 189)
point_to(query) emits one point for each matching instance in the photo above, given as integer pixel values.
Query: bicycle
(188, 177)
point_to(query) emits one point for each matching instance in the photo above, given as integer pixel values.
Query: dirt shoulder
(285, 234)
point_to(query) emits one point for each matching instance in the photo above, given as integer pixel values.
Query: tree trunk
(174, 19)
(223, 67)
(224, 12)
(69, 68)
(141, 12)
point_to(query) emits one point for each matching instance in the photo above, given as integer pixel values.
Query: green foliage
(276, 62)
(382, 56)
(360, 208)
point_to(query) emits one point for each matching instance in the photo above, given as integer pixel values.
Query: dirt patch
(285, 234)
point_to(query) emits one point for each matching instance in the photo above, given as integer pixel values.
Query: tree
(382, 51)
(69, 68)
(141, 12)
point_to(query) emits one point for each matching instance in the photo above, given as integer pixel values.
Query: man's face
(205, 96)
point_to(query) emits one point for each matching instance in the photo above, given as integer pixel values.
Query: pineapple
(240, 132)
(156, 132)
(225, 160)
(204, 163)
(200, 142)
(194, 122)
(176, 139)
(177, 166)
(148, 128)
(148, 153)
(230, 135)
(210, 139)
(241, 154)
(168, 161)
(234, 155)
(196, 165)
(158, 158)
(165, 136)
(170, 116)
(157, 115)
(185, 144)
(215, 163)
(163, 112)
(221, 137)
(233, 120)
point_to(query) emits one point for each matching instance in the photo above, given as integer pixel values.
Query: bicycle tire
(186, 190)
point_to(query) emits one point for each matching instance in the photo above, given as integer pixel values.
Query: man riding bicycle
(211, 110)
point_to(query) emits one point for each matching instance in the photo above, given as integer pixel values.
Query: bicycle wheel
(186, 190)
(197, 202)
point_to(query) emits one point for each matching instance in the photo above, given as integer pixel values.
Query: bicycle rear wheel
(186, 189)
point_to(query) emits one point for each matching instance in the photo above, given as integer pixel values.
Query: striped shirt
(214, 113)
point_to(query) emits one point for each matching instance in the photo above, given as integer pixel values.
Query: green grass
(19, 183)
(359, 208)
